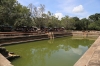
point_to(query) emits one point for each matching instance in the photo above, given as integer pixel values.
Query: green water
(58, 52)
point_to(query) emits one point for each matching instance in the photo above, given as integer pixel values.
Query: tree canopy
(12, 13)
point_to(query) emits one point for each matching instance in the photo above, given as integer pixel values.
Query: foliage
(68, 22)
(14, 14)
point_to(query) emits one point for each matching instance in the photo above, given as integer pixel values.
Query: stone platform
(4, 61)
(92, 56)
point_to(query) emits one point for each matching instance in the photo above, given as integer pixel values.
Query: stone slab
(92, 56)
(4, 61)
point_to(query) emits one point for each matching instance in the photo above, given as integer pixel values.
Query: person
(50, 33)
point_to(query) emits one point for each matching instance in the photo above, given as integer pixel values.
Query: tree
(94, 17)
(85, 23)
(94, 21)
(68, 22)
(6, 9)
(14, 14)
(77, 23)
(37, 14)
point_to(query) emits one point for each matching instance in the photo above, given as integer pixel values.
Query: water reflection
(50, 41)
(53, 52)
(77, 51)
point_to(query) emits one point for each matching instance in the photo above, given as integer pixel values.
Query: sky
(71, 8)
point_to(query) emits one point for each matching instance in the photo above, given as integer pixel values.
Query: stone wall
(8, 55)
(26, 38)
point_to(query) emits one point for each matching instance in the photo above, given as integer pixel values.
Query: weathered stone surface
(4, 61)
(7, 54)
(92, 56)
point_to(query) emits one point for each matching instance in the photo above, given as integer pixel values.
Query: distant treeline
(13, 14)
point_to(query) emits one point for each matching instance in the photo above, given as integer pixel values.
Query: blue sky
(72, 8)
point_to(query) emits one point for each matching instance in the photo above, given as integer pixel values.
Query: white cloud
(78, 9)
(66, 6)
(59, 15)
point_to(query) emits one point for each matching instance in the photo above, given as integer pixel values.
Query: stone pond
(53, 52)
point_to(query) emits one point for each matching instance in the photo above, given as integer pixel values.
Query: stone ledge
(4, 61)
(86, 58)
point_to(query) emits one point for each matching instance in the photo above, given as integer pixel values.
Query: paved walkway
(92, 56)
(4, 61)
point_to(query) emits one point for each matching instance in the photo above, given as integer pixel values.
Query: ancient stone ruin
(8, 55)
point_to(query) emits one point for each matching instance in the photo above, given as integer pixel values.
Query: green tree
(22, 16)
(14, 14)
(77, 23)
(6, 9)
(94, 17)
(37, 14)
(85, 23)
(68, 22)
(94, 21)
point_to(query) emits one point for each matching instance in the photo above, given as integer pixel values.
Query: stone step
(4, 61)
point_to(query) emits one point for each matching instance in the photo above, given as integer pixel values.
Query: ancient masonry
(5, 56)
(92, 56)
